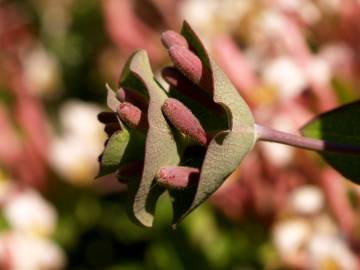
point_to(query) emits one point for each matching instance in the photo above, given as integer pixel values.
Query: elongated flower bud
(183, 119)
(191, 66)
(107, 117)
(125, 94)
(177, 177)
(171, 38)
(176, 79)
(132, 115)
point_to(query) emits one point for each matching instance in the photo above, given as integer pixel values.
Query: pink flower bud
(191, 66)
(132, 115)
(183, 119)
(177, 177)
(171, 38)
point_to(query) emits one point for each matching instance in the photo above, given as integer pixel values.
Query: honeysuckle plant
(189, 138)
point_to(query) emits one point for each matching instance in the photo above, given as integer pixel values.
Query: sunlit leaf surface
(342, 126)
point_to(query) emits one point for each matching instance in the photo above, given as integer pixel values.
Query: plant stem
(272, 135)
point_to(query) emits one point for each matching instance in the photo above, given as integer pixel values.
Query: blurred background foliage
(283, 208)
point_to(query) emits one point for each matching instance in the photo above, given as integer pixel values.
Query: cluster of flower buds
(181, 138)
(192, 80)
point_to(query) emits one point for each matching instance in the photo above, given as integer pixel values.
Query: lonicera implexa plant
(189, 138)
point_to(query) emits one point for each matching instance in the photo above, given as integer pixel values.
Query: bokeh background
(282, 209)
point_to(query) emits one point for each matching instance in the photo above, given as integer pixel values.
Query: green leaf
(341, 126)
(160, 148)
(111, 100)
(114, 152)
(123, 146)
(227, 148)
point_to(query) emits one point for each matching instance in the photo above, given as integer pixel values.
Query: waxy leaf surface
(111, 101)
(114, 152)
(160, 147)
(341, 126)
(227, 148)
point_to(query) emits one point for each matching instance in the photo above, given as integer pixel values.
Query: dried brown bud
(171, 38)
(132, 115)
(107, 117)
(191, 66)
(177, 177)
(183, 119)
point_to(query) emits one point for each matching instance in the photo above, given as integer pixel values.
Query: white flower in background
(289, 5)
(307, 200)
(290, 237)
(330, 252)
(310, 13)
(286, 76)
(312, 241)
(307, 10)
(312, 244)
(79, 119)
(268, 24)
(211, 17)
(74, 160)
(26, 245)
(24, 252)
(231, 12)
(27, 212)
(318, 71)
(200, 14)
(74, 154)
(280, 154)
(41, 72)
(339, 57)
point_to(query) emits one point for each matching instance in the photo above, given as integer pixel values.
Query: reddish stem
(272, 135)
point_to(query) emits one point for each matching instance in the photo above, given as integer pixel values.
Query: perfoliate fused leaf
(160, 148)
(215, 112)
(227, 149)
